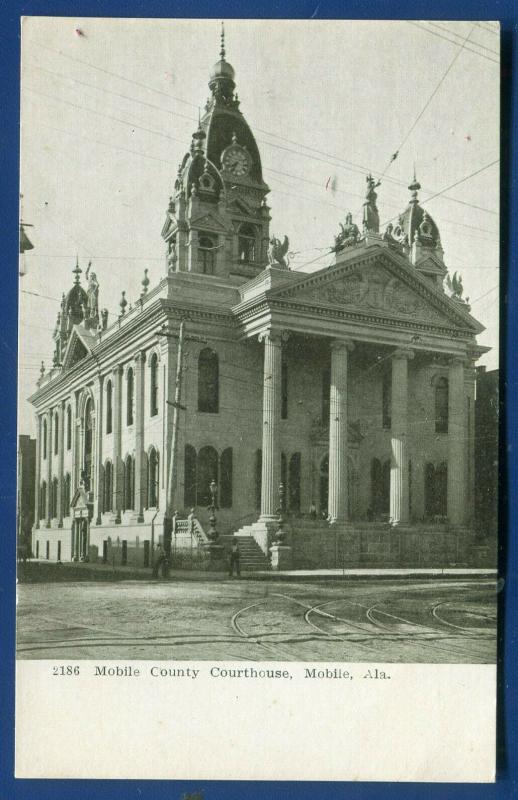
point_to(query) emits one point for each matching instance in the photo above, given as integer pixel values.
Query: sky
(108, 108)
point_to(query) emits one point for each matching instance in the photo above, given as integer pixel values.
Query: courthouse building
(352, 385)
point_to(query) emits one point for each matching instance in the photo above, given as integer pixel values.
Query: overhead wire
(452, 41)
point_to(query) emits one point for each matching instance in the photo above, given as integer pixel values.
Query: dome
(222, 69)
(416, 223)
(75, 302)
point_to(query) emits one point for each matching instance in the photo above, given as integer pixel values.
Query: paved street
(434, 621)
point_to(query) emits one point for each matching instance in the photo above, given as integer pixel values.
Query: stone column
(456, 443)
(49, 468)
(271, 468)
(338, 440)
(117, 412)
(37, 476)
(61, 455)
(399, 494)
(140, 459)
(99, 480)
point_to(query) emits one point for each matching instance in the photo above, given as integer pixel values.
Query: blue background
(507, 769)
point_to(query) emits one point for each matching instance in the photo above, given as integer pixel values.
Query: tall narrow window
(66, 495)
(246, 243)
(225, 490)
(441, 405)
(152, 479)
(129, 484)
(108, 486)
(54, 499)
(189, 494)
(129, 397)
(207, 472)
(153, 394)
(326, 395)
(258, 477)
(207, 254)
(284, 387)
(386, 399)
(208, 381)
(43, 500)
(88, 446)
(109, 407)
(69, 428)
(44, 437)
(294, 483)
(56, 434)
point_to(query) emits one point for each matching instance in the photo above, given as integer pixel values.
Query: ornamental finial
(414, 188)
(145, 283)
(222, 51)
(77, 271)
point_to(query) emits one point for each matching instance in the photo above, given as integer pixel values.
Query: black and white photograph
(258, 367)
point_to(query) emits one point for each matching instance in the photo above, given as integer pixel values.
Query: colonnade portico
(400, 427)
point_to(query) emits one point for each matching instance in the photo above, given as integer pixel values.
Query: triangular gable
(170, 225)
(209, 222)
(78, 347)
(240, 206)
(430, 263)
(379, 284)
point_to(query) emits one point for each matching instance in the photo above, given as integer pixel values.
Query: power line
(356, 168)
(460, 36)
(426, 105)
(452, 41)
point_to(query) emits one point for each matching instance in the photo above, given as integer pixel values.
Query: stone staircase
(252, 558)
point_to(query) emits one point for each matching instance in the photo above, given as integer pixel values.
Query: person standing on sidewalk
(234, 559)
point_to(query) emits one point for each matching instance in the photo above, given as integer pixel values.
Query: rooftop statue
(455, 287)
(277, 252)
(371, 220)
(92, 305)
(348, 236)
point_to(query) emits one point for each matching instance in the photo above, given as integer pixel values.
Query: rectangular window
(284, 389)
(386, 400)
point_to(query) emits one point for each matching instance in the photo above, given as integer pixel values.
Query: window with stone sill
(207, 254)
(441, 405)
(153, 393)
(246, 243)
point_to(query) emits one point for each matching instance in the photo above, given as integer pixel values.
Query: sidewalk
(43, 571)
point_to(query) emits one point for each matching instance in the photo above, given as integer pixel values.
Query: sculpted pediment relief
(370, 289)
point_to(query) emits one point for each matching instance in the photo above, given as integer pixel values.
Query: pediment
(378, 286)
(170, 225)
(240, 206)
(209, 222)
(77, 349)
(431, 263)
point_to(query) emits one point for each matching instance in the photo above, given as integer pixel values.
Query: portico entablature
(376, 297)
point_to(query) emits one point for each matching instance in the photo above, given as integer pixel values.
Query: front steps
(251, 557)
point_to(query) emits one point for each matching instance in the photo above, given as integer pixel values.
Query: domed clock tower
(217, 221)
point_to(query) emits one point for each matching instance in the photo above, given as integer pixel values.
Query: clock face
(236, 160)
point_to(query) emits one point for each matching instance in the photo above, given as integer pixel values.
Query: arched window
(129, 397)
(207, 254)
(43, 500)
(225, 489)
(208, 381)
(386, 399)
(44, 437)
(54, 499)
(109, 407)
(441, 405)
(88, 445)
(294, 483)
(326, 395)
(207, 472)
(153, 393)
(152, 479)
(246, 243)
(69, 428)
(258, 477)
(189, 492)
(108, 486)
(129, 484)
(66, 495)
(56, 433)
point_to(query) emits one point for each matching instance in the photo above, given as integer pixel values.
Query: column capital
(342, 344)
(403, 353)
(140, 357)
(118, 370)
(275, 336)
(458, 361)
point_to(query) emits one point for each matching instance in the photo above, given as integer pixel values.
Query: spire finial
(414, 188)
(222, 51)
(77, 271)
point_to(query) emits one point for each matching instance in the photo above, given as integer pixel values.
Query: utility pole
(172, 478)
